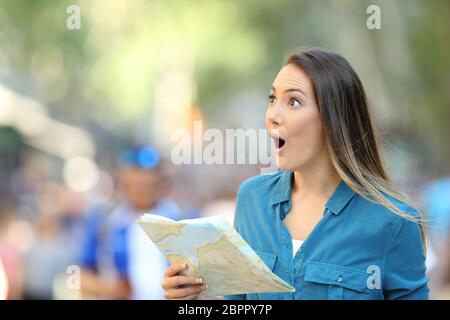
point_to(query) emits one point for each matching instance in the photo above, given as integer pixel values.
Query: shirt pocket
(324, 281)
(270, 260)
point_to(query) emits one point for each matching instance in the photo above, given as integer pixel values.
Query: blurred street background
(87, 115)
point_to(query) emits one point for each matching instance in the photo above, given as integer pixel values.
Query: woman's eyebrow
(297, 89)
(291, 90)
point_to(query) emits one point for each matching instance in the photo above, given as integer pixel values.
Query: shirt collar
(338, 200)
(282, 190)
(340, 197)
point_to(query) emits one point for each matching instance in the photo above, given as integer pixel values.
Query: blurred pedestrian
(118, 260)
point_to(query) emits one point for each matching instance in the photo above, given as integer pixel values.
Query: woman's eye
(295, 103)
(272, 98)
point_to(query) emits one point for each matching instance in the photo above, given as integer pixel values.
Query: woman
(329, 222)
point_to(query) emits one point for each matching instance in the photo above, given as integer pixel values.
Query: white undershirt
(296, 244)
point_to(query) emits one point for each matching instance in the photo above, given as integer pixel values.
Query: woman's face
(293, 120)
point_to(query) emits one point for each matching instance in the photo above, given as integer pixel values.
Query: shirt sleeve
(88, 257)
(405, 271)
(237, 222)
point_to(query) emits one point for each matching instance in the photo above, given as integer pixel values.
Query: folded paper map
(215, 251)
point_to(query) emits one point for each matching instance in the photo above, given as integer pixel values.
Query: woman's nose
(274, 115)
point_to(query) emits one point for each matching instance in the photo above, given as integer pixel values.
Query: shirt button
(300, 250)
(339, 279)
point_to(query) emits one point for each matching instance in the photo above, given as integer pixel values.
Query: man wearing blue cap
(118, 259)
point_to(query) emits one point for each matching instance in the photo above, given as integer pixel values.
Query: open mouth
(278, 142)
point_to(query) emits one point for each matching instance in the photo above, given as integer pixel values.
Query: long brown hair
(352, 141)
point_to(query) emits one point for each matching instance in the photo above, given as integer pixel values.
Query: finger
(190, 297)
(176, 281)
(184, 292)
(174, 269)
(187, 290)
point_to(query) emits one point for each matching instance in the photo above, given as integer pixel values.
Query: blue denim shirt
(358, 250)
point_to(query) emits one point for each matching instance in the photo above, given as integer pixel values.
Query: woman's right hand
(179, 287)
